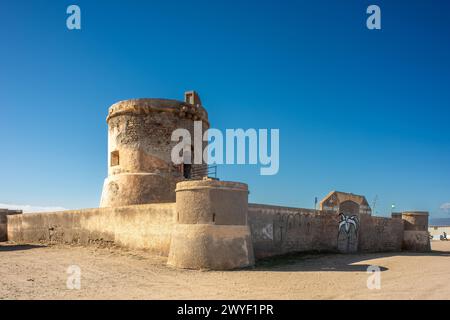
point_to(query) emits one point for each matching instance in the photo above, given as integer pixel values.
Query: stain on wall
(140, 227)
(277, 230)
(380, 234)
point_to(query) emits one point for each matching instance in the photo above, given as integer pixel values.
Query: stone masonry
(198, 222)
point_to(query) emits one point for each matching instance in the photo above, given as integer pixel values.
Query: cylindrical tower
(140, 168)
(211, 230)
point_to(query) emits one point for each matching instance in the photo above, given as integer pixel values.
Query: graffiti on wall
(348, 233)
(381, 225)
(292, 229)
(262, 231)
(384, 233)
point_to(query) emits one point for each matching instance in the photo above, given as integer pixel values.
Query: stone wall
(279, 230)
(273, 230)
(380, 234)
(140, 226)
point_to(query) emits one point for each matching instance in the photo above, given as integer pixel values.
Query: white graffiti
(347, 221)
(267, 231)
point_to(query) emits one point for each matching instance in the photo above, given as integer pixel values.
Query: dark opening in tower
(187, 171)
(114, 158)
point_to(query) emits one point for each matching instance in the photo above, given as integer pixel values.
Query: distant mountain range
(440, 222)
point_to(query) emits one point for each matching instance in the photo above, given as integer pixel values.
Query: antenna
(374, 203)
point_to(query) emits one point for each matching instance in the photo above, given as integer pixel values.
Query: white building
(437, 231)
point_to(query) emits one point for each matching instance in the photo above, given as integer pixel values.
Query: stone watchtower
(140, 168)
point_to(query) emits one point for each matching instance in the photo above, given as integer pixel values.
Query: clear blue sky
(360, 111)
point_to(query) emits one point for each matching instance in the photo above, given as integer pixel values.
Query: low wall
(3, 222)
(279, 230)
(139, 226)
(380, 234)
(274, 230)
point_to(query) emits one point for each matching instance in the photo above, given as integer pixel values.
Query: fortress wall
(279, 230)
(274, 230)
(139, 227)
(378, 234)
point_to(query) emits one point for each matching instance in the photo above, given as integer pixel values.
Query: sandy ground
(34, 272)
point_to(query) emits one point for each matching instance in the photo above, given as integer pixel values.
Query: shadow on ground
(322, 262)
(12, 247)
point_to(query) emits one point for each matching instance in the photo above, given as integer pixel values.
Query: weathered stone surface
(415, 220)
(203, 224)
(139, 226)
(211, 230)
(278, 230)
(196, 238)
(140, 168)
(418, 241)
(212, 202)
(416, 236)
(3, 222)
(346, 203)
(211, 247)
(378, 234)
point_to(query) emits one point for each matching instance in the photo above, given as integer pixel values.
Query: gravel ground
(40, 272)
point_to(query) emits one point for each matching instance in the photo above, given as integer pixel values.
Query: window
(114, 158)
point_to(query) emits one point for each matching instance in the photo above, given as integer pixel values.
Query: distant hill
(440, 222)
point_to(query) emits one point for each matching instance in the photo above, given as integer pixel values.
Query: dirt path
(33, 272)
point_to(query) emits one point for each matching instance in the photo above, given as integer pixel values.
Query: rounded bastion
(211, 230)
